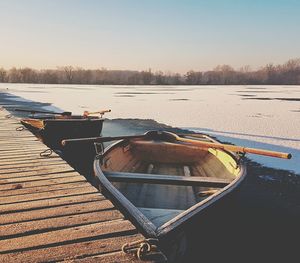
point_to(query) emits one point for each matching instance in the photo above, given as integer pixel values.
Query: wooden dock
(49, 212)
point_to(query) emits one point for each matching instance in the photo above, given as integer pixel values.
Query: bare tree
(194, 78)
(69, 70)
(159, 78)
(14, 75)
(3, 75)
(48, 76)
(28, 75)
(226, 74)
(146, 77)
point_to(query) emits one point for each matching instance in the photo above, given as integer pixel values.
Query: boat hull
(179, 214)
(54, 131)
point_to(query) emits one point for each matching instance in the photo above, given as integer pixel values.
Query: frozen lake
(254, 116)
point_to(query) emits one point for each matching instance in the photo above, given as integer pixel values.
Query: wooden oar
(233, 148)
(45, 112)
(174, 136)
(106, 139)
(101, 112)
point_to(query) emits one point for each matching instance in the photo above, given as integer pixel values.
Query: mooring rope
(20, 128)
(141, 248)
(46, 153)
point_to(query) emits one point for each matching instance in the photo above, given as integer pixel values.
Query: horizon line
(149, 69)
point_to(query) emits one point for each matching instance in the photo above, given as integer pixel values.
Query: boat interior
(34, 123)
(163, 179)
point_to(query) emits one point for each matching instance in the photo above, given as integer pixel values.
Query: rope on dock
(46, 153)
(142, 248)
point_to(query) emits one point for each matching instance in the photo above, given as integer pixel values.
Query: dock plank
(39, 186)
(50, 224)
(70, 252)
(48, 203)
(65, 236)
(85, 206)
(47, 195)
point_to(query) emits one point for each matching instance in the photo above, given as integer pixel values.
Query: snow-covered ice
(255, 116)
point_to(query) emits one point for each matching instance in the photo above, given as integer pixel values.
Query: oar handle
(268, 153)
(234, 148)
(91, 139)
(100, 139)
(101, 112)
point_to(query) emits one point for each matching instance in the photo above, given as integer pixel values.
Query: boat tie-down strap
(142, 248)
(99, 149)
(241, 156)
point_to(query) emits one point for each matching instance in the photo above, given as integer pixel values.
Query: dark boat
(53, 127)
(161, 181)
(51, 130)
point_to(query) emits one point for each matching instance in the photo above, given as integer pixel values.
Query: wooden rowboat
(51, 130)
(53, 127)
(161, 183)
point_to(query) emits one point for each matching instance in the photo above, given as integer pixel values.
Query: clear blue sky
(141, 34)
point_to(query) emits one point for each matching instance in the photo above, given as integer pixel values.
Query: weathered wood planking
(48, 212)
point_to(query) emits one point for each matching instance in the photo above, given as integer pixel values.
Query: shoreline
(152, 85)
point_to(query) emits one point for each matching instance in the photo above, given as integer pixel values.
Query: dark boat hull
(54, 131)
(51, 131)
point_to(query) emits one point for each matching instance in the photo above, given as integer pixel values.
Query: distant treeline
(287, 73)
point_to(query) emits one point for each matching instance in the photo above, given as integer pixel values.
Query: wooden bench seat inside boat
(166, 179)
